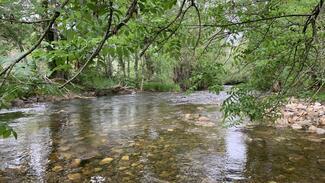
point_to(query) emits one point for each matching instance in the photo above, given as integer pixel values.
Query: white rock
(312, 129)
(317, 104)
(320, 131)
(296, 127)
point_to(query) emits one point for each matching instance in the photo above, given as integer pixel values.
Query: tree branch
(250, 21)
(12, 20)
(109, 33)
(54, 17)
(180, 12)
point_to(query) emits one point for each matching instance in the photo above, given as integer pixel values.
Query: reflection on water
(145, 138)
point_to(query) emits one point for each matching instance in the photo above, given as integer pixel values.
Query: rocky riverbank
(304, 116)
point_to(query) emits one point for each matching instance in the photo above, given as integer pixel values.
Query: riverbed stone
(106, 161)
(98, 169)
(296, 127)
(74, 176)
(312, 129)
(75, 163)
(320, 131)
(64, 148)
(203, 119)
(57, 168)
(125, 158)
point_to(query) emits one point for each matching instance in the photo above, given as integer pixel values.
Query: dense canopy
(54, 47)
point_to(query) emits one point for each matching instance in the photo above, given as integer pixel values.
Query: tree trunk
(51, 36)
(110, 67)
(128, 67)
(136, 66)
(122, 66)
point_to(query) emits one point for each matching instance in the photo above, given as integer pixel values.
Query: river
(145, 138)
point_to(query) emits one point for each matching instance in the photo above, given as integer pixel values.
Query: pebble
(57, 168)
(75, 163)
(98, 169)
(312, 129)
(74, 176)
(296, 127)
(125, 158)
(320, 131)
(106, 161)
(203, 118)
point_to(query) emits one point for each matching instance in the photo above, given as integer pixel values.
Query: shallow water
(145, 138)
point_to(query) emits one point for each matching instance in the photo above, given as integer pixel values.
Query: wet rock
(312, 129)
(248, 139)
(295, 158)
(296, 127)
(322, 121)
(98, 169)
(204, 123)
(309, 148)
(87, 171)
(280, 139)
(320, 131)
(305, 123)
(321, 162)
(134, 164)
(75, 163)
(203, 119)
(74, 176)
(64, 148)
(314, 140)
(200, 108)
(187, 116)
(57, 168)
(66, 156)
(17, 103)
(122, 168)
(106, 161)
(125, 158)
(170, 130)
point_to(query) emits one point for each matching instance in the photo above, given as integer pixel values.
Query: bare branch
(11, 20)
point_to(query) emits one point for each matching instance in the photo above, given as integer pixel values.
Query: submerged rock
(125, 158)
(64, 148)
(75, 163)
(57, 168)
(203, 118)
(98, 169)
(106, 161)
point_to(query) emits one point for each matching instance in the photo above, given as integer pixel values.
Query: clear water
(148, 140)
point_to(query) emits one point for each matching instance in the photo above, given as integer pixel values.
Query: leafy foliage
(193, 44)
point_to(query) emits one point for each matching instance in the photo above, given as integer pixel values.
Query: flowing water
(147, 138)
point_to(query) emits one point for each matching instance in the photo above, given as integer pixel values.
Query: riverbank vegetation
(269, 50)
